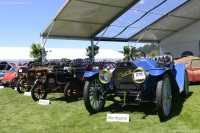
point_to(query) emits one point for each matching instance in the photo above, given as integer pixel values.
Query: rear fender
(154, 78)
(179, 73)
(174, 84)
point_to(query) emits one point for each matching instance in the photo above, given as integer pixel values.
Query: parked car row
(133, 82)
(54, 76)
(192, 67)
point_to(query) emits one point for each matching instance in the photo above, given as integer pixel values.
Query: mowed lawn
(20, 114)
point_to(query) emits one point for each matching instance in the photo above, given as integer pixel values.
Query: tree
(127, 49)
(36, 52)
(153, 53)
(149, 47)
(89, 51)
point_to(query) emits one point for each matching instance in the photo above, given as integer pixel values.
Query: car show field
(20, 113)
(130, 89)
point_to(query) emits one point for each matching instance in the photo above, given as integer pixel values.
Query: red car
(192, 67)
(9, 77)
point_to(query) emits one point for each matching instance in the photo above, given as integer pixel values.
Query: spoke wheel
(136, 54)
(21, 86)
(72, 91)
(38, 92)
(163, 97)
(92, 91)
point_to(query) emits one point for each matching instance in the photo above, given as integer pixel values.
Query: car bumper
(5, 82)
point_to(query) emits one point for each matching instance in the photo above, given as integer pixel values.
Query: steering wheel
(136, 54)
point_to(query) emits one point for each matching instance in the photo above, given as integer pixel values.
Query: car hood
(9, 76)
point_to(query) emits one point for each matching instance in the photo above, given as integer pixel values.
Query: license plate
(139, 75)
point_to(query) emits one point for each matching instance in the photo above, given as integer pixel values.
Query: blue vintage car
(140, 80)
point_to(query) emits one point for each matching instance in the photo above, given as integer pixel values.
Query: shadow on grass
(177, 104)
(59, 97)
(195, 83)
(146, 108)
(150, 108)
(56, 98)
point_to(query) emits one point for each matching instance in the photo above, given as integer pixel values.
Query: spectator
(6, 67)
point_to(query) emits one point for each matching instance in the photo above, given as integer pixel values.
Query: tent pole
(44, 42)
(92, 47)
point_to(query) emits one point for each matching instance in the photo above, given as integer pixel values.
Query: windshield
(13, 69)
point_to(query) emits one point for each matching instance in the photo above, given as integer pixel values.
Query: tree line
(150, 49)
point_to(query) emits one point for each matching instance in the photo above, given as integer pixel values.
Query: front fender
(88, 74)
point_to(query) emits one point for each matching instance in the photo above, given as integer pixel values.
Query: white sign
(1, 87)
(118, 117)
(139, 75)
(27, 93)
(44, 102)
(15, 88)
(20, 70)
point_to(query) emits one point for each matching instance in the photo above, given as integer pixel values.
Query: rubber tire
(33, 90)
(13, 83)
(159, 97)
(186, 86)
(19, 86)
(77, 89)
(86, 94)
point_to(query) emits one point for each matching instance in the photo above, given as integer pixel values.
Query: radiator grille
(122, 78)
(31, 76)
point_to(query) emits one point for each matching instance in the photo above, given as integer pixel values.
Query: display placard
(1, 87)
(44, 102)
(117, 118)
(27, 93)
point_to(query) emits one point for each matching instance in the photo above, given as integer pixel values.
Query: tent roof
(84, 19)
(108, 20)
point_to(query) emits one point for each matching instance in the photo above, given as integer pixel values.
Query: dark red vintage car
(192, 67)
(11, 75)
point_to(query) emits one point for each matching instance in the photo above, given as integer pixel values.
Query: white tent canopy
(104, 54)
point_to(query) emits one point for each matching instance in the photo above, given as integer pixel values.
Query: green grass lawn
(20, 114)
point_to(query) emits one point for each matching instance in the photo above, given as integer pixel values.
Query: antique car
(74, 88)
(51, 79)
(12, 76)
(140, 80)
(27, 76)
(192, 67)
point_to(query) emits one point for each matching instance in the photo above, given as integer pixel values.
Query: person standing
(6, 67)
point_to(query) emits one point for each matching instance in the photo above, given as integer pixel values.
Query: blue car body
(151, 67)
(141, 80)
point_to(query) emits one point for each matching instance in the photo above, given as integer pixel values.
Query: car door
(195, 67)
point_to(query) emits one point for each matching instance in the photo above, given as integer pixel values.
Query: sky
(22, 21)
